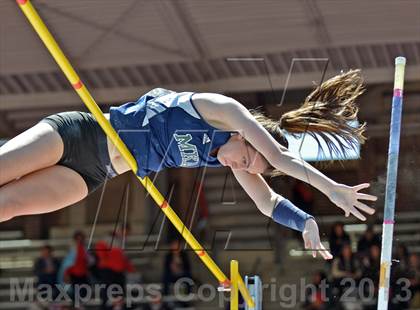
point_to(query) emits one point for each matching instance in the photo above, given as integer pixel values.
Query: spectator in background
(401, 256)
(316, 296)
(406, 283)
(112, 265)
(74, 267)
(345, 268)
(338, 238)
(371, 264)
(46, 269)
(370, 270)
(78, 272)
(399, 278)
(156, 303)
(366, 241)
(303, 196)
(176, 266)
(414, 278)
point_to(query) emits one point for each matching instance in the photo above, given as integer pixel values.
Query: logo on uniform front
(206, 139)
(189, 153)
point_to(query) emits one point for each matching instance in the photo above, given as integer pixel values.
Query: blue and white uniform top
(163, 129)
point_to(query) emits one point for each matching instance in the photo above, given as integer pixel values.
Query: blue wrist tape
(287, 214)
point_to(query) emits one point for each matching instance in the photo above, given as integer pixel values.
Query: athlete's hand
(347, 198)
(312, 241)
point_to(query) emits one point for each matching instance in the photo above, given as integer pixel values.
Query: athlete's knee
(8, 206)
(6, 169)
(3, 174)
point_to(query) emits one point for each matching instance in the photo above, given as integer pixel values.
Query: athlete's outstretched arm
(236, 117)
(277, 207)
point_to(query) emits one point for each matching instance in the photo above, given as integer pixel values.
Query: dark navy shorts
(85, 146)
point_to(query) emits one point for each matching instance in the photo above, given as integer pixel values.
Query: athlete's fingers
(325, 253)
(361, 186)
(321, 250)
(313, 249)
(306, 243)
(364, 207)
(318, 248)
(366, 197)
(357, 214)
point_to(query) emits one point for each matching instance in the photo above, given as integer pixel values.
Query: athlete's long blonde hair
(325, 115)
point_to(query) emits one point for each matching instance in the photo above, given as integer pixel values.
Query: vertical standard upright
(391, 183)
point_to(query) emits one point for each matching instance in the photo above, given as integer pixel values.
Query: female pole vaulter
(65, 156)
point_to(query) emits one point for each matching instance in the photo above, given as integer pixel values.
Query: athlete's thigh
(38, 147)
(43, 191)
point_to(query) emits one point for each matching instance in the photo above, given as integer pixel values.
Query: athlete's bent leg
(36, 148)
(42, 191)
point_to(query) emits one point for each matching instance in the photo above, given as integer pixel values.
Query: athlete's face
(240, 155)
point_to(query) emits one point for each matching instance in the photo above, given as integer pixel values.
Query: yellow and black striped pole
(88, 100)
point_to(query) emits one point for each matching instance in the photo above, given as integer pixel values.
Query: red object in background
(112, 258)
(306, 194)
(80, 268)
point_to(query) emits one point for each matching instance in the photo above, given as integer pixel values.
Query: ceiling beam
(181, 24)
(106, 32)
(119, 95)
(130, 38)
(317, 20)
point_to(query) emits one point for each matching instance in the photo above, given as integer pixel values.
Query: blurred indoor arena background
(266, 53)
